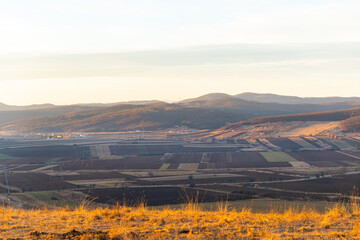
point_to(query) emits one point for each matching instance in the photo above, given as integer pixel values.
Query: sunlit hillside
(190, 222)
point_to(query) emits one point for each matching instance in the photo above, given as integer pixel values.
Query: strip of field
(48, 198)
(157, 173)
(188, 166)
(193, 177)
(229, 157)
(284, 143)
(303, 143)
(324, 158)
(277, 157)
(299, 164)
(5, 156)
(339, 143)
(102, 182)
(165, 166)
(269, 144)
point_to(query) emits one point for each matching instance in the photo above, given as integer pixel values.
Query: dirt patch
(74, 234)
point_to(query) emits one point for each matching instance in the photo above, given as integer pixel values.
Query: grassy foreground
(191, 222)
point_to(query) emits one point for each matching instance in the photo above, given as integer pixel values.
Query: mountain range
(209, 111)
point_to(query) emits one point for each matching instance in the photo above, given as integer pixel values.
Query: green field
(339, 143)
(165, 166)
(45, 199)
(278, 157)
(4, 156)
(302, 142)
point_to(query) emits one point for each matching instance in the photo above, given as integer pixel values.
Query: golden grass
(191, 222)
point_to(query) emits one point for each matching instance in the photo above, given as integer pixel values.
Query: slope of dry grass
(187, 223)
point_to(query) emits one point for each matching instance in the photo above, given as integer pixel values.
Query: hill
(210, 96)
(255, 109)
(10, 113)
(126, 117)
(210, 111)
(350, 124)
(5, 107)
(317, 116)
(268, 98)
(13, 115)
(189, 222)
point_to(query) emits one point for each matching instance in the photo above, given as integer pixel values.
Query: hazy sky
(70, 51)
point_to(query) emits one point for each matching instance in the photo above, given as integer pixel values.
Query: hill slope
(4, 107)
(13, 115)
(267, 98)
(350, 124)
(126, 117)
(255, 109)
(317, 116)
(10, 113)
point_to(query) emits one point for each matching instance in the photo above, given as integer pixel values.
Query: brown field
(323, 158)
(185, 158)
(203, 167)
(348, 184)
(284, 143)
(243, 160)
(35, 182)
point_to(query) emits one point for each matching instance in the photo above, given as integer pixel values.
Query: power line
(6, 179)
(86, 152)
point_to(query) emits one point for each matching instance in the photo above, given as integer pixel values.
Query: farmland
(173, 171)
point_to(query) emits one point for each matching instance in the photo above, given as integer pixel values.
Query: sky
(78, 51)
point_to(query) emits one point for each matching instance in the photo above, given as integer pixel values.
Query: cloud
(234, 58)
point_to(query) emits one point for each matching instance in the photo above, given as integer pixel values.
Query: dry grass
(191, 222)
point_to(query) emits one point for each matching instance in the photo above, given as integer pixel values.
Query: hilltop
(338, 123)
(317, 116)
(275, 98)
(190, 222)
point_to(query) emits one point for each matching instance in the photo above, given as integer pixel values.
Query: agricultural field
(5, 156)
(347, 184)
(277, 157)
(340, 144)
(285, 143)
(305, 144)
(160, 172)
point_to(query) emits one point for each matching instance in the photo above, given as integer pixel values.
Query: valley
(173, 171)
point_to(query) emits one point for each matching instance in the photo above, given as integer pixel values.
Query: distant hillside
(145, 102)
(256, 109)
(13, 115)
(127, 117)
(268, 98)
(350, 124)
(4, 107)
(210, 111)
(206, 97)
(317, 116)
